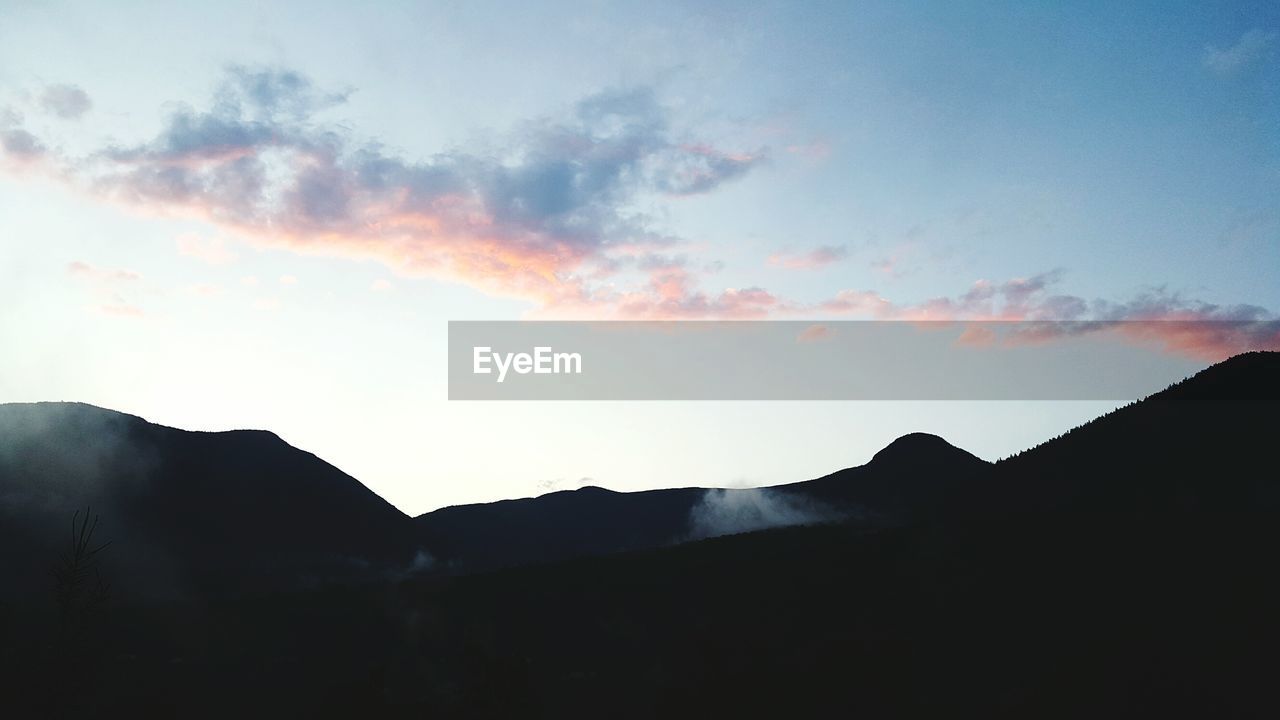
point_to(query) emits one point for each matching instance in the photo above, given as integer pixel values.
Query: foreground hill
(186, 512)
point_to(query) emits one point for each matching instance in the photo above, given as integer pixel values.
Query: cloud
(381, 285)
(213, 251)
(548, 216)
(66, 101)
(1178, 324)
(671, 293)
(21, 146)
(85, 270)
(697, 169)
(1250, 48)
(288, 280)
(538, 219)
(106, 287)
(814, 259)
(814, 333)
(19, 149)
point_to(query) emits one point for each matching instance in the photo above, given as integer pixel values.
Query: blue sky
(247, 216)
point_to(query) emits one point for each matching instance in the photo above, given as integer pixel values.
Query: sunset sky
(247, 216)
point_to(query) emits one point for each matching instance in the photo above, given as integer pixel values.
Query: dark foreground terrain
(1125, 569)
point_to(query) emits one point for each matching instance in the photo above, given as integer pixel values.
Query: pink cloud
(543, 226)
(812, 260)
(550, 220)
(814, 333)
(1178, 325)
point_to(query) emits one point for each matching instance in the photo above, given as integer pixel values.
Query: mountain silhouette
(187, 512)
(1202, 444)
(912, 477)
(197, 512)
(1120, 570)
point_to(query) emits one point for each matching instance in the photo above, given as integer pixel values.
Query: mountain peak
(920, 449)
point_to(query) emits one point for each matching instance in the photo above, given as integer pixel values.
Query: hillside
(186, 512)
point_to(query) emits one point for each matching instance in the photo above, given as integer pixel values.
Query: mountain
(1122, 570)
(186, 512)
(1205, 443)
(207, 513)
(916, 476)
(1192, 445)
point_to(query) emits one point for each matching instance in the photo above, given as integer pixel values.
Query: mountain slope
(915, 477)
(1207, 442)
(187, 512)
(215, 512)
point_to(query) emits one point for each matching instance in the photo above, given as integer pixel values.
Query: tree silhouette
(80, 592)
(79, 587)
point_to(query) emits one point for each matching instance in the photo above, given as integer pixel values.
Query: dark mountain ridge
(193, 512)
(1122, 570)
(1207, 442)
(187, 512)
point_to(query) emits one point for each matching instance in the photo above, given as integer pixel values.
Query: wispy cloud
(1181, 325)
(812, 260)
(85, 270)
(1249, 48)
(108, 287)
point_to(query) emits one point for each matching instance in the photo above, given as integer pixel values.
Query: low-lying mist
(731, 511)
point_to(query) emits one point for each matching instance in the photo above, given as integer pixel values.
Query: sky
(244, 216)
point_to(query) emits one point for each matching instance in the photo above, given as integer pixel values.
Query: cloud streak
(1180, 325)
(814, 259)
